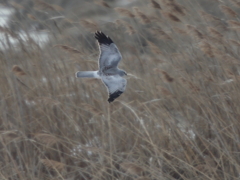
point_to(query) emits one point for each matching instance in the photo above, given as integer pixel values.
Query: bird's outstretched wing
(116, 85)
(109, 53)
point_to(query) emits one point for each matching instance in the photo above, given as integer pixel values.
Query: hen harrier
(108, 71)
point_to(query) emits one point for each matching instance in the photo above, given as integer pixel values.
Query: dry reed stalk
(56, 7)
(18, 71)
(234, 42)
(129, 29)
(110, 142)
(214, 40)
(167, 77)
(171, 16)
(68, 48)
(217, 22)
(228, 11)
(230, 59)
(158, 32)
(43, 5)
(142, 178)
(230, 74)
(93, 149)
(175, 8)
(119, 23)
(16, 5)
(194, 33)
(91, 82)
(157, 70)
(215, 33)
(155, 5)
(224, 56)
(183, 56)
(235, 3)
(143, 17)
(47, 101)
(209, 78)
(132, 168)
(31, 17)
(102, 3)
(208, 17)
(210, 161)
(154, 48)
(53, 165)
(180, 31)
(206, 48)
(46, 139)
(155, 19)
(9, 32)
(68, 20)
(89, 24)
(164, 91)
(202, 168)
(234, 24)
(190, 85)
(157, 60)
(92, 109)
(217, 53)
(9, 136)
(124, 12)
(99, 173)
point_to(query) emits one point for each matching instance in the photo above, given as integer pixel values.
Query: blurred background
(177, 119)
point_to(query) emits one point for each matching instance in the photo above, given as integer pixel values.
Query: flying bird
(108, 71)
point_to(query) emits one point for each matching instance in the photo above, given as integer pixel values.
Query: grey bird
(108, 71)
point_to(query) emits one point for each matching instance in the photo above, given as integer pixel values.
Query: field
(179, 117)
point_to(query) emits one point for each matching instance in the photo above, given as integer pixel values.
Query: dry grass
(124, 12)
(155, 4)
(178, 119)
(102, 3)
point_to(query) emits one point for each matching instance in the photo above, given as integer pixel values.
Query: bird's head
(122, 73)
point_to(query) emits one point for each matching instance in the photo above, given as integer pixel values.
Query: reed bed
(178, 119)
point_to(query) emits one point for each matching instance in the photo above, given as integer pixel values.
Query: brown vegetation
(178, 119)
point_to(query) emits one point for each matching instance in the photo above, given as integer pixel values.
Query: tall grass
(177, 119)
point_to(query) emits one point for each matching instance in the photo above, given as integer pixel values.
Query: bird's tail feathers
(87, 74)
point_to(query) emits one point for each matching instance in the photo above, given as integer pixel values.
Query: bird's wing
(109, 53)
(88, 74)
(116, 85)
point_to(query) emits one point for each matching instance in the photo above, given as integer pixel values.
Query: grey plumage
(88, 74)
(108, 71)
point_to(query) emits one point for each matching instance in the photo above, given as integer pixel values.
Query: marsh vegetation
(178, 118)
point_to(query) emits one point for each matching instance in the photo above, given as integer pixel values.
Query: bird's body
(108, 71)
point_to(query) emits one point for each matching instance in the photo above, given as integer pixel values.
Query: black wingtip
(113, 96)
(102, 38)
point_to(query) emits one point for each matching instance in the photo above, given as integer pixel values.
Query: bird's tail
(87, 74)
